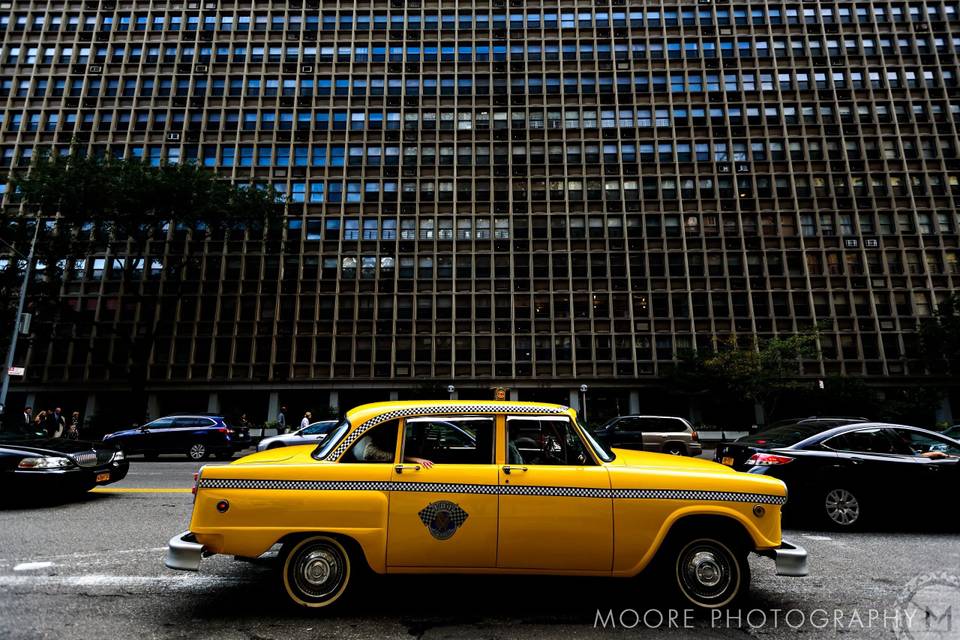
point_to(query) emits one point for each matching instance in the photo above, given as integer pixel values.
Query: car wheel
(709, 573)
(842, 508)
(317, 572)
(675, 449)
(197, 451)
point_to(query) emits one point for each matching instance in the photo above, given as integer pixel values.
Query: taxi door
(444, 515)
(556, 511)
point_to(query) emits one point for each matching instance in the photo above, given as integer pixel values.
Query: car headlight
(47, 462)
(118, 456)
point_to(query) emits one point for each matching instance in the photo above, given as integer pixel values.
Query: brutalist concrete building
(494, 193)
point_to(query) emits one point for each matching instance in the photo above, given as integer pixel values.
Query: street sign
(501, 393)
(17, 371)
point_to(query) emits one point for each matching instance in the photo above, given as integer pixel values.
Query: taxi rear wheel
(709, 572)
(317, 572)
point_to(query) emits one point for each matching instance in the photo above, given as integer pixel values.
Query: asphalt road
(93, 569)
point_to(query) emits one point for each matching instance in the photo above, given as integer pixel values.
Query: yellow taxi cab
(485, 487)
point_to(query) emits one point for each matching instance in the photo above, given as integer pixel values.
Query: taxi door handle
(507, 469)
(408, 467)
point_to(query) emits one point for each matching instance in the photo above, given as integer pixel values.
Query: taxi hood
(649, 460)
(296, 454)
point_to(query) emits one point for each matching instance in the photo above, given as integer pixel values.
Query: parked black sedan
(847, 475)
(32, 466)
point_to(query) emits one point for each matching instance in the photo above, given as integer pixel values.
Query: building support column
(90, 410)
(759, 417)
(394, 396)
(514, 395)
(334, 401)
(273, 406)
(944, 413)
(31, 402)
(574, 401)
(213, 402)
(153, 406)
(634, 403)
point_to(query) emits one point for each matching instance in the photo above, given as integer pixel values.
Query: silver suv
(664, 434)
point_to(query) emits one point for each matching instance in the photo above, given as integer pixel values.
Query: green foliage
(130, 200)
(758, 372)
(940, 338)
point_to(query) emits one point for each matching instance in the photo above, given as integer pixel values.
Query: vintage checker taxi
(484, 487)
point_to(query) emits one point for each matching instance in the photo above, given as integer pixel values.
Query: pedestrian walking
(282, 420)
(306, 420)
(40, 423)
(59, 423)
(27, 419)
(73, 433)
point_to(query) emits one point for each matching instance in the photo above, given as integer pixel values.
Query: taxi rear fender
(359, 553)
(710, 520)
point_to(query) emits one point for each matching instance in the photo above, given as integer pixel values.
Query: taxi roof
(364, 412)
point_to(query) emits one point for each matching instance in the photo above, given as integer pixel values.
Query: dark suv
(197, 436)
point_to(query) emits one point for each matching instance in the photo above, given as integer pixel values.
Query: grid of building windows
(509, 192)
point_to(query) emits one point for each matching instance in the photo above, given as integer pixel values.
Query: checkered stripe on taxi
(491, 489)
(439, 410)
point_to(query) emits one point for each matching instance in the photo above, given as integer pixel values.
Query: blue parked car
(196, 436)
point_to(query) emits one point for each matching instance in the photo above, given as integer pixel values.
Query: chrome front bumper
(789, 559)
(183, 552)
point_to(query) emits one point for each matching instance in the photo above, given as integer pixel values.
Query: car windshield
(603, 452)
(336, 435)
(784, 435)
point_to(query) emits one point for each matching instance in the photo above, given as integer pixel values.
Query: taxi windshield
(603, 452)
(336, 435)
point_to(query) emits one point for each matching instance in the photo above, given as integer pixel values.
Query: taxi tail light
(767, 460)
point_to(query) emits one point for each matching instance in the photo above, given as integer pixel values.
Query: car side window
(672, 425)
(162, 423)
(920, 443)
(450, 439)
(865, 441)
(545, 440)
(317, 429)
(629, 425)
(379, 444)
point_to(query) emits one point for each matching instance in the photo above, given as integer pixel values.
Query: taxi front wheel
(317, 572)
(708, 572)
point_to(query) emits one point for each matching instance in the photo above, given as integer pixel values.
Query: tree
(125, 210)
(940, 339)
(759, 372)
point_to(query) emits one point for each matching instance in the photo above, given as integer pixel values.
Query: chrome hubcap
(319, 571)
(706, 572)
(842, 507)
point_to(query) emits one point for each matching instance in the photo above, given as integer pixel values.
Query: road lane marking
(32, 566)
(138, 490)
(817, 537)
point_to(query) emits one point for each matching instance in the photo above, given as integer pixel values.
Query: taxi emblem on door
(442, 518)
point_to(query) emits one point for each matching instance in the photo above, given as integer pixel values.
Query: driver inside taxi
(377, 446)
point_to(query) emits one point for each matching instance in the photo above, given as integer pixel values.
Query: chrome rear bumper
(789, 559)
(183, 552)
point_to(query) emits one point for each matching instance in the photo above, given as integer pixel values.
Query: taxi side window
(378, 444)
(545, 440)
(450, 439)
